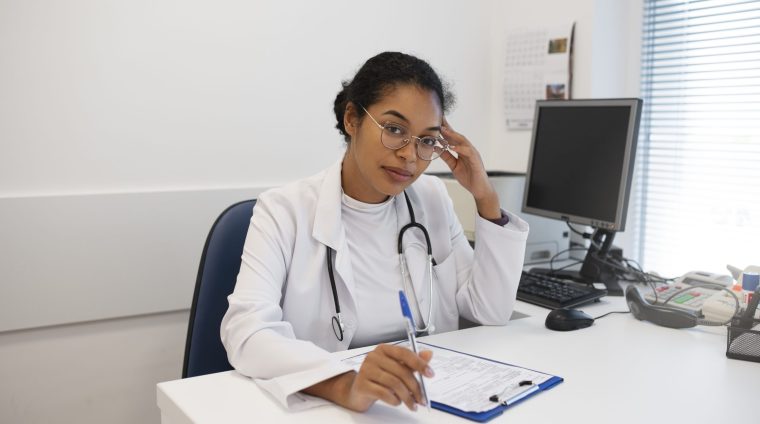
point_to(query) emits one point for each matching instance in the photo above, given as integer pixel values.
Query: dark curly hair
(382, 73)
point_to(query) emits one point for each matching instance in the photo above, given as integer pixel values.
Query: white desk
(620, 370)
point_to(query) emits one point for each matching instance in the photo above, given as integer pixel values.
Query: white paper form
(466, 382)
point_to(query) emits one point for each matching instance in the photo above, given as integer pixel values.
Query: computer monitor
(580, 167)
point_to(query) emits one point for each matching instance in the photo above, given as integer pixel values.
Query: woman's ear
(350, 119)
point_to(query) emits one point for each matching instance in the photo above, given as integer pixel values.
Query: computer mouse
(568, 319)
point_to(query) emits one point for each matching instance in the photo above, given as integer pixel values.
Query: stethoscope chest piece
(338, 326)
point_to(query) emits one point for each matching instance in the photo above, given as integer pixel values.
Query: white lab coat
(278, 326)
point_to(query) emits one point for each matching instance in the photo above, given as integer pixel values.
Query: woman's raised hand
(468, 169)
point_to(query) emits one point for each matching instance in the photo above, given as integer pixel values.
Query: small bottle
(750, 281)
(737, 289)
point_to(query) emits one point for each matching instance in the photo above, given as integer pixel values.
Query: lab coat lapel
(329, 230)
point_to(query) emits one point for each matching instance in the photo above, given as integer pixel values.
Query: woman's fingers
(399, 388)
(449, 160)
(392, 368)
(467, 166)
(457, 142)
(401, 363)
(407, 357)
(452, 136)
(463, 150)
(466, 158)
(426, 355)
(378, 391)
(405, 377)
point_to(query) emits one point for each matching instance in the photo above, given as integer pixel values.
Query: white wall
(104, 99)
(95, 372)
(104, 96)
(109, 97)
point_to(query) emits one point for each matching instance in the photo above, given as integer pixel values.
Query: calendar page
(538, 66)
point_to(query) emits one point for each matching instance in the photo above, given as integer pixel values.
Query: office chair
(217, 273)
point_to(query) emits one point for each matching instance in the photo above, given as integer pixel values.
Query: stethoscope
(337, 319)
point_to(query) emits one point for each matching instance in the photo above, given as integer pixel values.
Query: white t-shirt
(372, 234)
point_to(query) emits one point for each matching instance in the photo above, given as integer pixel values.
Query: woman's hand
(467, 167)
(387, 374)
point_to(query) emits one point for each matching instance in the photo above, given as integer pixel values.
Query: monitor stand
(599, 265)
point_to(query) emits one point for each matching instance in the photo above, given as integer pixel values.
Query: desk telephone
(697, 293)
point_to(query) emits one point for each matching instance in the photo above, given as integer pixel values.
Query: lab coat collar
(328, 227)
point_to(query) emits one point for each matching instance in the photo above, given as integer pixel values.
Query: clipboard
(498, 408)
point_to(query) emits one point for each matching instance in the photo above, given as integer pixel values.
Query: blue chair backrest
(217, 273)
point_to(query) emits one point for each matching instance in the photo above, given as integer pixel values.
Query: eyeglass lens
(395, 137)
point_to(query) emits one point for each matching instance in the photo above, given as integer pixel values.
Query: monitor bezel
(624, 189)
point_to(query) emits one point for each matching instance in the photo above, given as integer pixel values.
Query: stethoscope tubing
(337, 319)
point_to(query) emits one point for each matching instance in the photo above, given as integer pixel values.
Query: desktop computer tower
(547, 236)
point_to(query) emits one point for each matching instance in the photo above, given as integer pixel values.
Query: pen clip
(405, 310)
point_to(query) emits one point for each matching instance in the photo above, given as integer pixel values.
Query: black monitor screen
(581, 160)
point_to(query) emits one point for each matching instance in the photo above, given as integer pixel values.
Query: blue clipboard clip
(519, 391)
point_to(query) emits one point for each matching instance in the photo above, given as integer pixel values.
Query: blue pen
(410, 330)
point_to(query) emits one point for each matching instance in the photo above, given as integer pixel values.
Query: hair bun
(339, 107)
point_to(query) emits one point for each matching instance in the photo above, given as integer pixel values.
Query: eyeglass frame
(444, 143)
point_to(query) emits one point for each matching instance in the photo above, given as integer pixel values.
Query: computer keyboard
(553, 293)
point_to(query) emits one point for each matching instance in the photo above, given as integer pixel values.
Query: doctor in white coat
(330, 243)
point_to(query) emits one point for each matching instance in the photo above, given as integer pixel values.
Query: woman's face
(372, 172)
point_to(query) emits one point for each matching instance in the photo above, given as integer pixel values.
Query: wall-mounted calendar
(538, 66)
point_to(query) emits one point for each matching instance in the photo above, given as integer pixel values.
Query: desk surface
(619, 370)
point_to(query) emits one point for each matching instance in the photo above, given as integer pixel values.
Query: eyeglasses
(395, 136)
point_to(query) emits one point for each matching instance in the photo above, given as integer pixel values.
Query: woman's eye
(395, 129)
(428, 141)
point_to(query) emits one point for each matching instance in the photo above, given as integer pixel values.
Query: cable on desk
(556, 255)
(587, 236)
(624, 267)
(610, 313)
(630, 266)
(648, 278)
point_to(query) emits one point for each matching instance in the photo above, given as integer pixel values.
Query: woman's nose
(408, 152)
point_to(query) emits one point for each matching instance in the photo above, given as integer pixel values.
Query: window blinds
(697, 191)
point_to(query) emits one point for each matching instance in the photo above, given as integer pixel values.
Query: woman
(329, 242)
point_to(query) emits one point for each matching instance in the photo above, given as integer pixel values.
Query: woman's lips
(398, 174)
